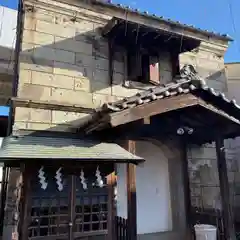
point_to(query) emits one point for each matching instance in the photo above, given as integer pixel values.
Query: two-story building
(106, 101)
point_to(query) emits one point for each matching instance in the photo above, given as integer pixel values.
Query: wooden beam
(152, 108)
(228, 220)
(131, 195)
(110, 25)
(50, 105)
(218, 111)
(155, 23)
(26, 202)
(187, 190)
(111, 181)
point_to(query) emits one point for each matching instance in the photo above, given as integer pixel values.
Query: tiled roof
(33, 147)
(161, 18)
(188, 83)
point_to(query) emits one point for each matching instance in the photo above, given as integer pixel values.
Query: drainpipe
(19, 31)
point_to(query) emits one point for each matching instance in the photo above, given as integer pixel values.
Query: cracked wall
(233, 82)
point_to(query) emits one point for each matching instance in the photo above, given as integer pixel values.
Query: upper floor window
(152, 68)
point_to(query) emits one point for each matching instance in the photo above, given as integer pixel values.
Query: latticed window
(77, 201)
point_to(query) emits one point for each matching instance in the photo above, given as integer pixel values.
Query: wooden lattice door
(67, 209)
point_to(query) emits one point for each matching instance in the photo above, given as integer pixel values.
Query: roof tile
(145, 13)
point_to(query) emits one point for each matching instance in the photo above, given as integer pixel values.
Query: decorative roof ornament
(188, 72)
(58, 177)
(83, 180)
(42, 178)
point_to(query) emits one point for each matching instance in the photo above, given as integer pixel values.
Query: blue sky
(213, 15)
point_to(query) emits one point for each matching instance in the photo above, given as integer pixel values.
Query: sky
(220, 16)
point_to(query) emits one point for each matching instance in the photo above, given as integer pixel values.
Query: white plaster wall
(154, 212)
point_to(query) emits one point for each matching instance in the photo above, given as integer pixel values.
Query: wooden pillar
(111, 181)
(26, 203)
(187, 190)
(131, 195)
(228, 220)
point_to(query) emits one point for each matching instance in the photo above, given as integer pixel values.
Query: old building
(98, 89)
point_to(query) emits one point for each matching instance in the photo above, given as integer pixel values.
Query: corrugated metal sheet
(31, 147)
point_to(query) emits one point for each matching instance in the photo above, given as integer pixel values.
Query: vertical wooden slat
(4, 186)
(111, 180)
(187, 191)
(26, 203)
(131, 194)
(72, 203)
(228, 220)
(175, 64)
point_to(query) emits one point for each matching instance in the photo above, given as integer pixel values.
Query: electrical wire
(12, 52)
(233, 23)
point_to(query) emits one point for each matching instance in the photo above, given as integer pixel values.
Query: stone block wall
(65, 60)
(233, 82)
(208, 63)
(204, 179)
(61, 61)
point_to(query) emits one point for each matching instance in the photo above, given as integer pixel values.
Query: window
(142, 67)
(52, 210)
(154, 68)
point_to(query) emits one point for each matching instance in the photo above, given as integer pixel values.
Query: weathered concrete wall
(205, 189)
(233, 82)
(208, 60)
(66, 61)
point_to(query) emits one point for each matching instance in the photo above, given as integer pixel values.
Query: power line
(233, 23)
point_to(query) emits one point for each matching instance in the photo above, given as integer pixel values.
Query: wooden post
(228, 220)
(26, 203)
(187, 190)
(111, 180)
(131, 195)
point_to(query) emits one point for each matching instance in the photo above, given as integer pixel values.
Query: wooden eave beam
(50, 105)
(218, 111)
(109, 26)
(156, 23)
(153, 108)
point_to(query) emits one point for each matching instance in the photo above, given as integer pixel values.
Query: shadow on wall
(83, 56)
